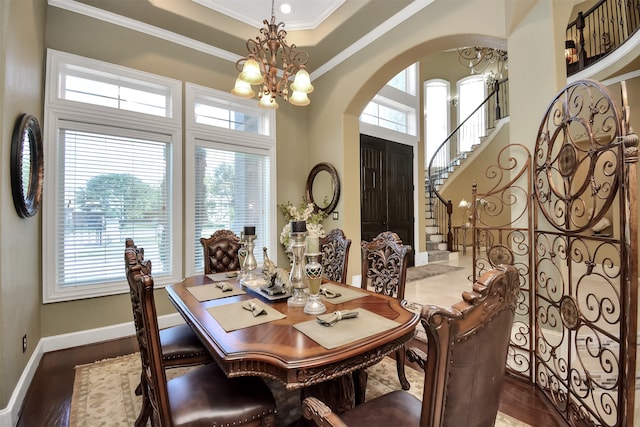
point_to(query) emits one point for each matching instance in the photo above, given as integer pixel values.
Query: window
(471, 93)
(405, 80)
(386, 116)
(436, 119)
(392, 113)
(109, 180)
(231, 184)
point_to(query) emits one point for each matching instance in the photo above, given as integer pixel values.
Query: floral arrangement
(302, 212)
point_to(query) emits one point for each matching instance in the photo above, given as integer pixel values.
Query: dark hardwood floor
(49, 397)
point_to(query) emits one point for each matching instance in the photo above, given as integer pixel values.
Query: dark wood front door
(386, 192)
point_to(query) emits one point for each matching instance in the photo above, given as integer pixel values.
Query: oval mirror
(27, 169)
(323, 187)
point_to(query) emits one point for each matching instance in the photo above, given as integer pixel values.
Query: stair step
(437, 238)
(434, 256)
(430, 229)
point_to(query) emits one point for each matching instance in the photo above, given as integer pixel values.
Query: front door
(386, 192)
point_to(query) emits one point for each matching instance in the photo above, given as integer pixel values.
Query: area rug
(429, 270)
(103, 392)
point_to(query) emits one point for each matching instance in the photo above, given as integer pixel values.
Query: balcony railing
(599, 31)
(448, 156)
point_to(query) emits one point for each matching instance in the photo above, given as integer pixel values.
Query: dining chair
(384, 269)
(335, 255)
(202, 396)
(220, 252)
(180, 345)
(464, 366)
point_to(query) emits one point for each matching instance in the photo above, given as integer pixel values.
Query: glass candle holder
(313, 271)
(250, 263)
(296, 277)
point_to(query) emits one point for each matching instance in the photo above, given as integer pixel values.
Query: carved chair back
(221, 252)
(148, 335)
(335, 255)
(464, 365)
(384, 264)
(467, 352)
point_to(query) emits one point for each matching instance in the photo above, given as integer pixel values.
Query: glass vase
(297, 283)
(313, 271)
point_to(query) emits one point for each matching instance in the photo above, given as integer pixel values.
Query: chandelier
(479, 58)
(260, 68)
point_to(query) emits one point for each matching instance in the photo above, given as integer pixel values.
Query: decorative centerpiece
(296, 276)
(303, 212)
(249, 264)
(313, 271)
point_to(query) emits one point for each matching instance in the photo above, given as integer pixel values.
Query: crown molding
(132, 24)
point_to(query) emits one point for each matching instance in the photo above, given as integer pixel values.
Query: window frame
(58, 110)
(226, 139)
(447, 85)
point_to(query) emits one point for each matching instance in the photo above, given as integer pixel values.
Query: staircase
(438, 211)
(436, 241)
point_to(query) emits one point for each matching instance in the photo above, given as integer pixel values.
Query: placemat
(232, 316)
(211, 291)
(346, 330)
(220, 277)
(347, 294)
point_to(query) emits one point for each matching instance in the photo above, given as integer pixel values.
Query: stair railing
(448, 156)
(599, 31)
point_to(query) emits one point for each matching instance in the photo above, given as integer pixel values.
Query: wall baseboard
(9, 415)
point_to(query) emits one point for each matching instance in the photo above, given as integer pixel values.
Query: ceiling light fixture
(479, 58)
(260, 67)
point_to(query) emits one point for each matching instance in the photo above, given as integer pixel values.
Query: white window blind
(112, 187)
(109, 139)
(232, 190)
(231, 146)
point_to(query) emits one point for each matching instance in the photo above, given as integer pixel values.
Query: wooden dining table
(278, 350)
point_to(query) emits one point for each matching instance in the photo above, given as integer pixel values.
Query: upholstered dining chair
(464, 365)
(384, 269)
(180, 345)
(202, 396)
(335, 255)
(221, 252)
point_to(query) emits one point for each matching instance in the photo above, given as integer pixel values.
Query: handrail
(440, 166)
(607, 25)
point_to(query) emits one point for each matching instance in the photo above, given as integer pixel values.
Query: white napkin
(336, 316)
(224, 286)
(254, 308)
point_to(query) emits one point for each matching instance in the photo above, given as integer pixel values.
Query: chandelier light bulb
(302, 82)
(299, 99)
(267, 102)
(243, 89)
(251, 72)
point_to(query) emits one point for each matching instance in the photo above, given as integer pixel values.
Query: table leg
(339, 393)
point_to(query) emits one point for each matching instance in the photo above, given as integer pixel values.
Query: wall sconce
(453, 100)
(570, 51)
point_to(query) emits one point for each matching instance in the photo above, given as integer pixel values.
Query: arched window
(471, 92)
(436, 118)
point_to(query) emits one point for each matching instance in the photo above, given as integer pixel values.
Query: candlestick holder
(313, 271)
(250, 263)
(296, 277)
(242, 255)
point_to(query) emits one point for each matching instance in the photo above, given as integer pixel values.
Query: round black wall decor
(27, 165)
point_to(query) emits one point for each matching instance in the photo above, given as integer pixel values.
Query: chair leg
(400, 356)
(145, 410)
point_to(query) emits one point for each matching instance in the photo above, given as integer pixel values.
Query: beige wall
(21, 77)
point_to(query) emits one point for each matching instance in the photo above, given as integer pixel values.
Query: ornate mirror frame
(27, 165)
(335, 184)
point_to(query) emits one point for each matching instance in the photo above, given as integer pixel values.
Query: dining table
(284, 343)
